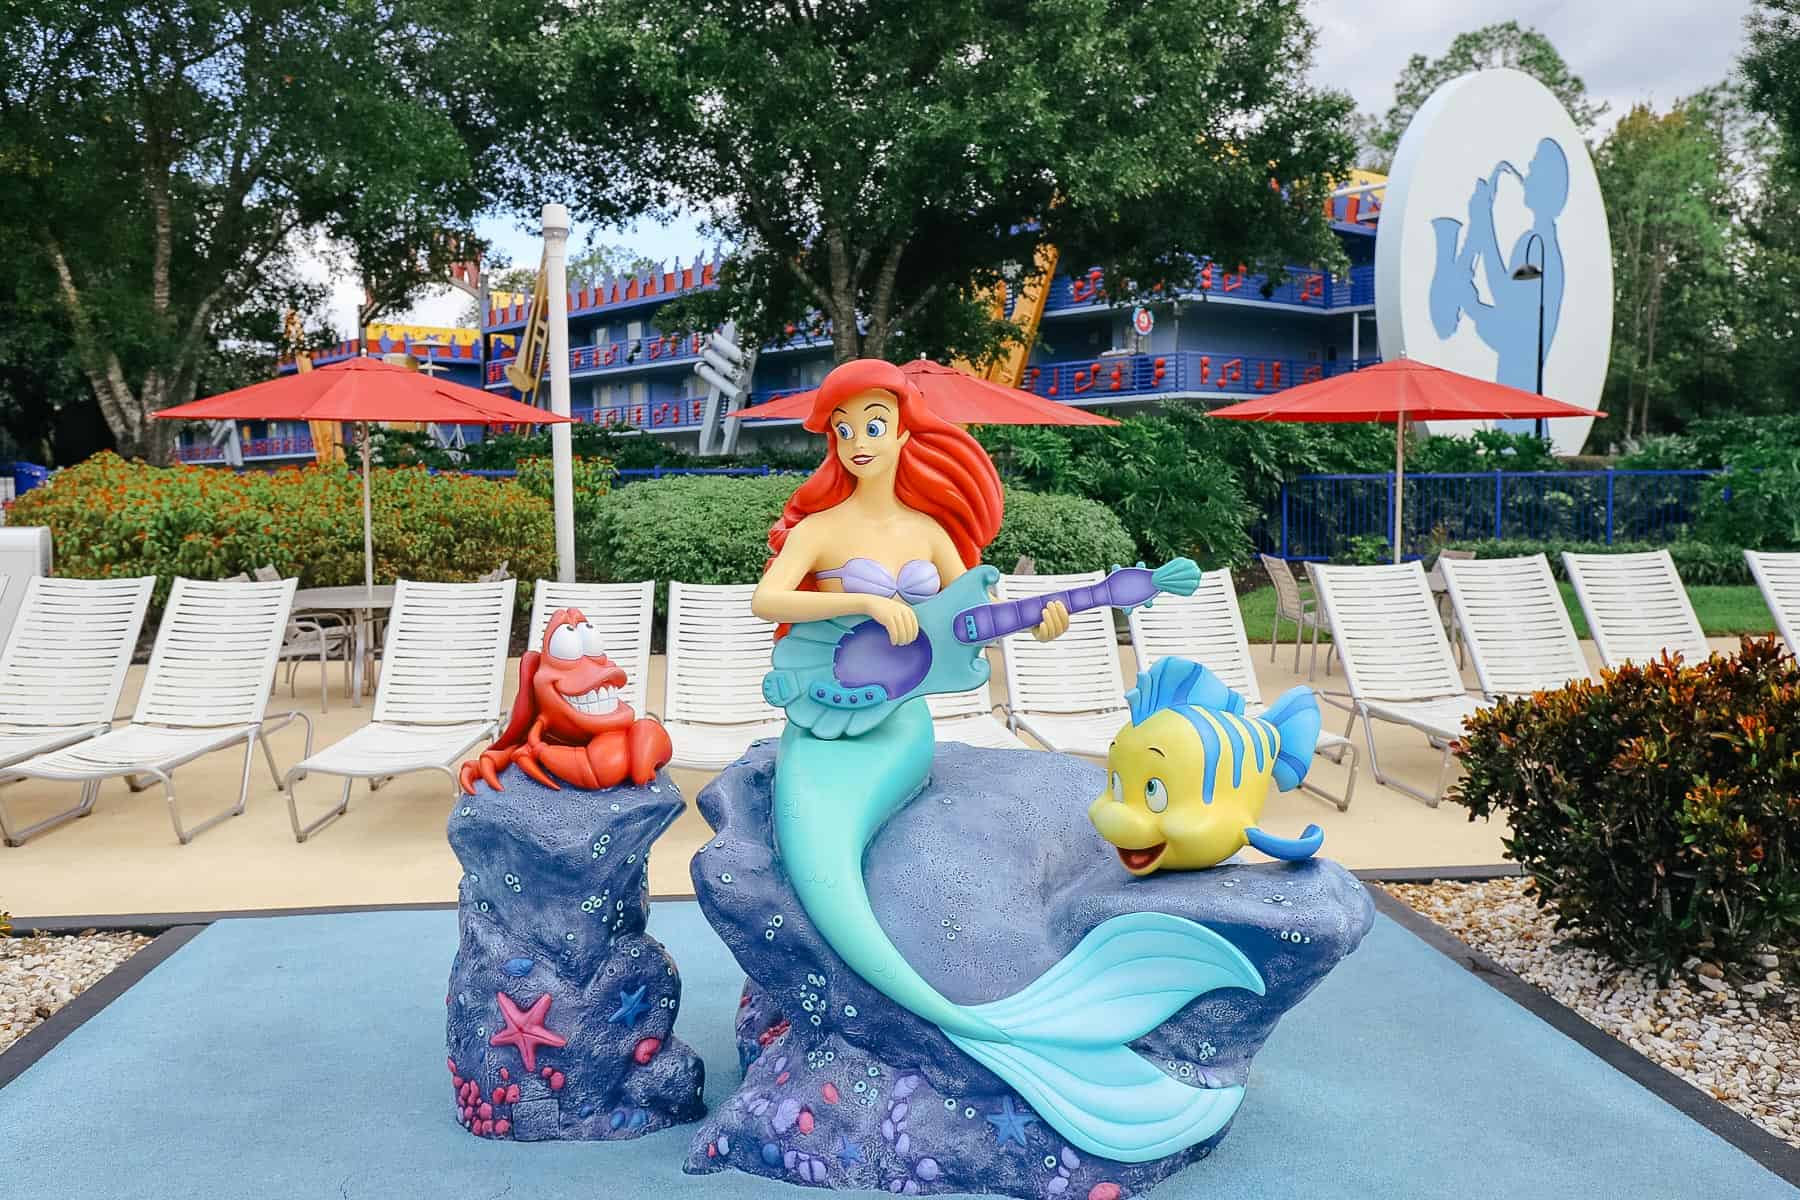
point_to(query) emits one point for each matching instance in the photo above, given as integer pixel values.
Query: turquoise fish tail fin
(1066, 1049)
(1178, 681)
(1287, 849)
(1295, 716)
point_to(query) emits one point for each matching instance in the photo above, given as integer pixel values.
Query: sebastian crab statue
(568, 722)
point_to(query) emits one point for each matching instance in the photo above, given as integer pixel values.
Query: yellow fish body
(1186, 779)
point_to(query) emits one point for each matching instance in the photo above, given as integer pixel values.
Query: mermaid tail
(1062, 1041)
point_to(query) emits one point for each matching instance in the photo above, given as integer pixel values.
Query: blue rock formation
(560, 1008)
(984, 881)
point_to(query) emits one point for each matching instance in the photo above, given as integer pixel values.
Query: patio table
(361, 602)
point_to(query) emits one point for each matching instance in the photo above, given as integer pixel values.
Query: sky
(1626, 51)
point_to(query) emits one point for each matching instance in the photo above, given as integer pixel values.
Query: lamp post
(1528, 271)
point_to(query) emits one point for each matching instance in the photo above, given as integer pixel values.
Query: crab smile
(1141, 860)
(598, 702)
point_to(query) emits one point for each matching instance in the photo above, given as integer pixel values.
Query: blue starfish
(631, 1007)
(848, 1152)
(1009, 1122)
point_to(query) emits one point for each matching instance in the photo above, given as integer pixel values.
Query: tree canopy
(1506, 44)
(165, 169)
(883, 164)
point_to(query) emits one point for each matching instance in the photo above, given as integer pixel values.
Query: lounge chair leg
(302, 832)
(18, 837)
(1275, 635)
(1342, 802)
(140, 783)
(1430, 799)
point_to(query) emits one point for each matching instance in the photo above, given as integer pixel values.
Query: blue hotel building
(1229, 337)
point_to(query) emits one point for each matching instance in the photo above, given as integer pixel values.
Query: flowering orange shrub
(1658, 809)
(114, 518)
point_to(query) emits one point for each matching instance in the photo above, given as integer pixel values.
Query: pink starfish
(525, 1029)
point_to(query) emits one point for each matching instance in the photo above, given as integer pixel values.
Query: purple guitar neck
(1127, 587)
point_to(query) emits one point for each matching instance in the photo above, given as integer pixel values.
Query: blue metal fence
(1319, 514)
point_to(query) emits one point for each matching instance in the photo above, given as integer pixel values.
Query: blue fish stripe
(1260, 730)
(1234, 732)
(1209, 741)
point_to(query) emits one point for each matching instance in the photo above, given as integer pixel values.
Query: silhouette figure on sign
(1509, 326)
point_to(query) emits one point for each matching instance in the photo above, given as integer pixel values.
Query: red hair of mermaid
(943, 472)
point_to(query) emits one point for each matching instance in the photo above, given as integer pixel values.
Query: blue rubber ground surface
(304, 1057)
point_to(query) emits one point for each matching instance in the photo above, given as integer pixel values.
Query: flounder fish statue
(1188, 776)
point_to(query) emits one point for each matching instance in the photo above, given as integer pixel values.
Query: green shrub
(1150, 472)
(1060, 534)
(714, 529)
(695, 528)
(1757, 502)
(593, 478)
(112, 518)
(1700, 563)
(1657, 810)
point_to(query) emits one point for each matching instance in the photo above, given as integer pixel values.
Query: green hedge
(1655, 810)
(1700, 563)
(713, 529)
(111, 518)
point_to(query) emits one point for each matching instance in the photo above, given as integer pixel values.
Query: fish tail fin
(1067, 1035)
(1295, 716)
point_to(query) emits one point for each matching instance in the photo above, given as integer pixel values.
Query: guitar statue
(844, 676)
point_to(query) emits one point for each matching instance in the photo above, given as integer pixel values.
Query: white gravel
(38, 975)
(1732, 1034)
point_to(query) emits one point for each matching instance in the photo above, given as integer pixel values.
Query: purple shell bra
(918, 579)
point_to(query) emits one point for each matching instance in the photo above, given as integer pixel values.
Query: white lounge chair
(718, 652)
(1778, 578)
(969, 717)
(319, 635)
(207, 687)
(1636, 607)
(1512, 619)
(444, 667)
(1067, 693)
(1386, 627)
(62, 671)
(1208, 628)
(1291, 604)
(622, 613)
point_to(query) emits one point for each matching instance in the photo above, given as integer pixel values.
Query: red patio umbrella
(363, 390)
(1399, 390)
(957, 397)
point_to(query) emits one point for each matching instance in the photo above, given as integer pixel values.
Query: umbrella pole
(1399, 479)
(368, 520)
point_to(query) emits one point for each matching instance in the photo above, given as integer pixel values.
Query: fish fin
(1066, 1049)
(1126, 977)
(1174, 682)
(1287, 849)
(1295, 717)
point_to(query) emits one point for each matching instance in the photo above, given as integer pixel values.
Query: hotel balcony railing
(1304, 287)
(616, 356)
(299, 445)
(1096, 380)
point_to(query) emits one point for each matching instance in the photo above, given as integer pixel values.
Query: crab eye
(565, 642)
(1156, 794)
(843, 431)
(876, 427)
(1118, 788)
(590, 642)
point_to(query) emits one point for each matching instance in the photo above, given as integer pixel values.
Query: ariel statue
(877, 573)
